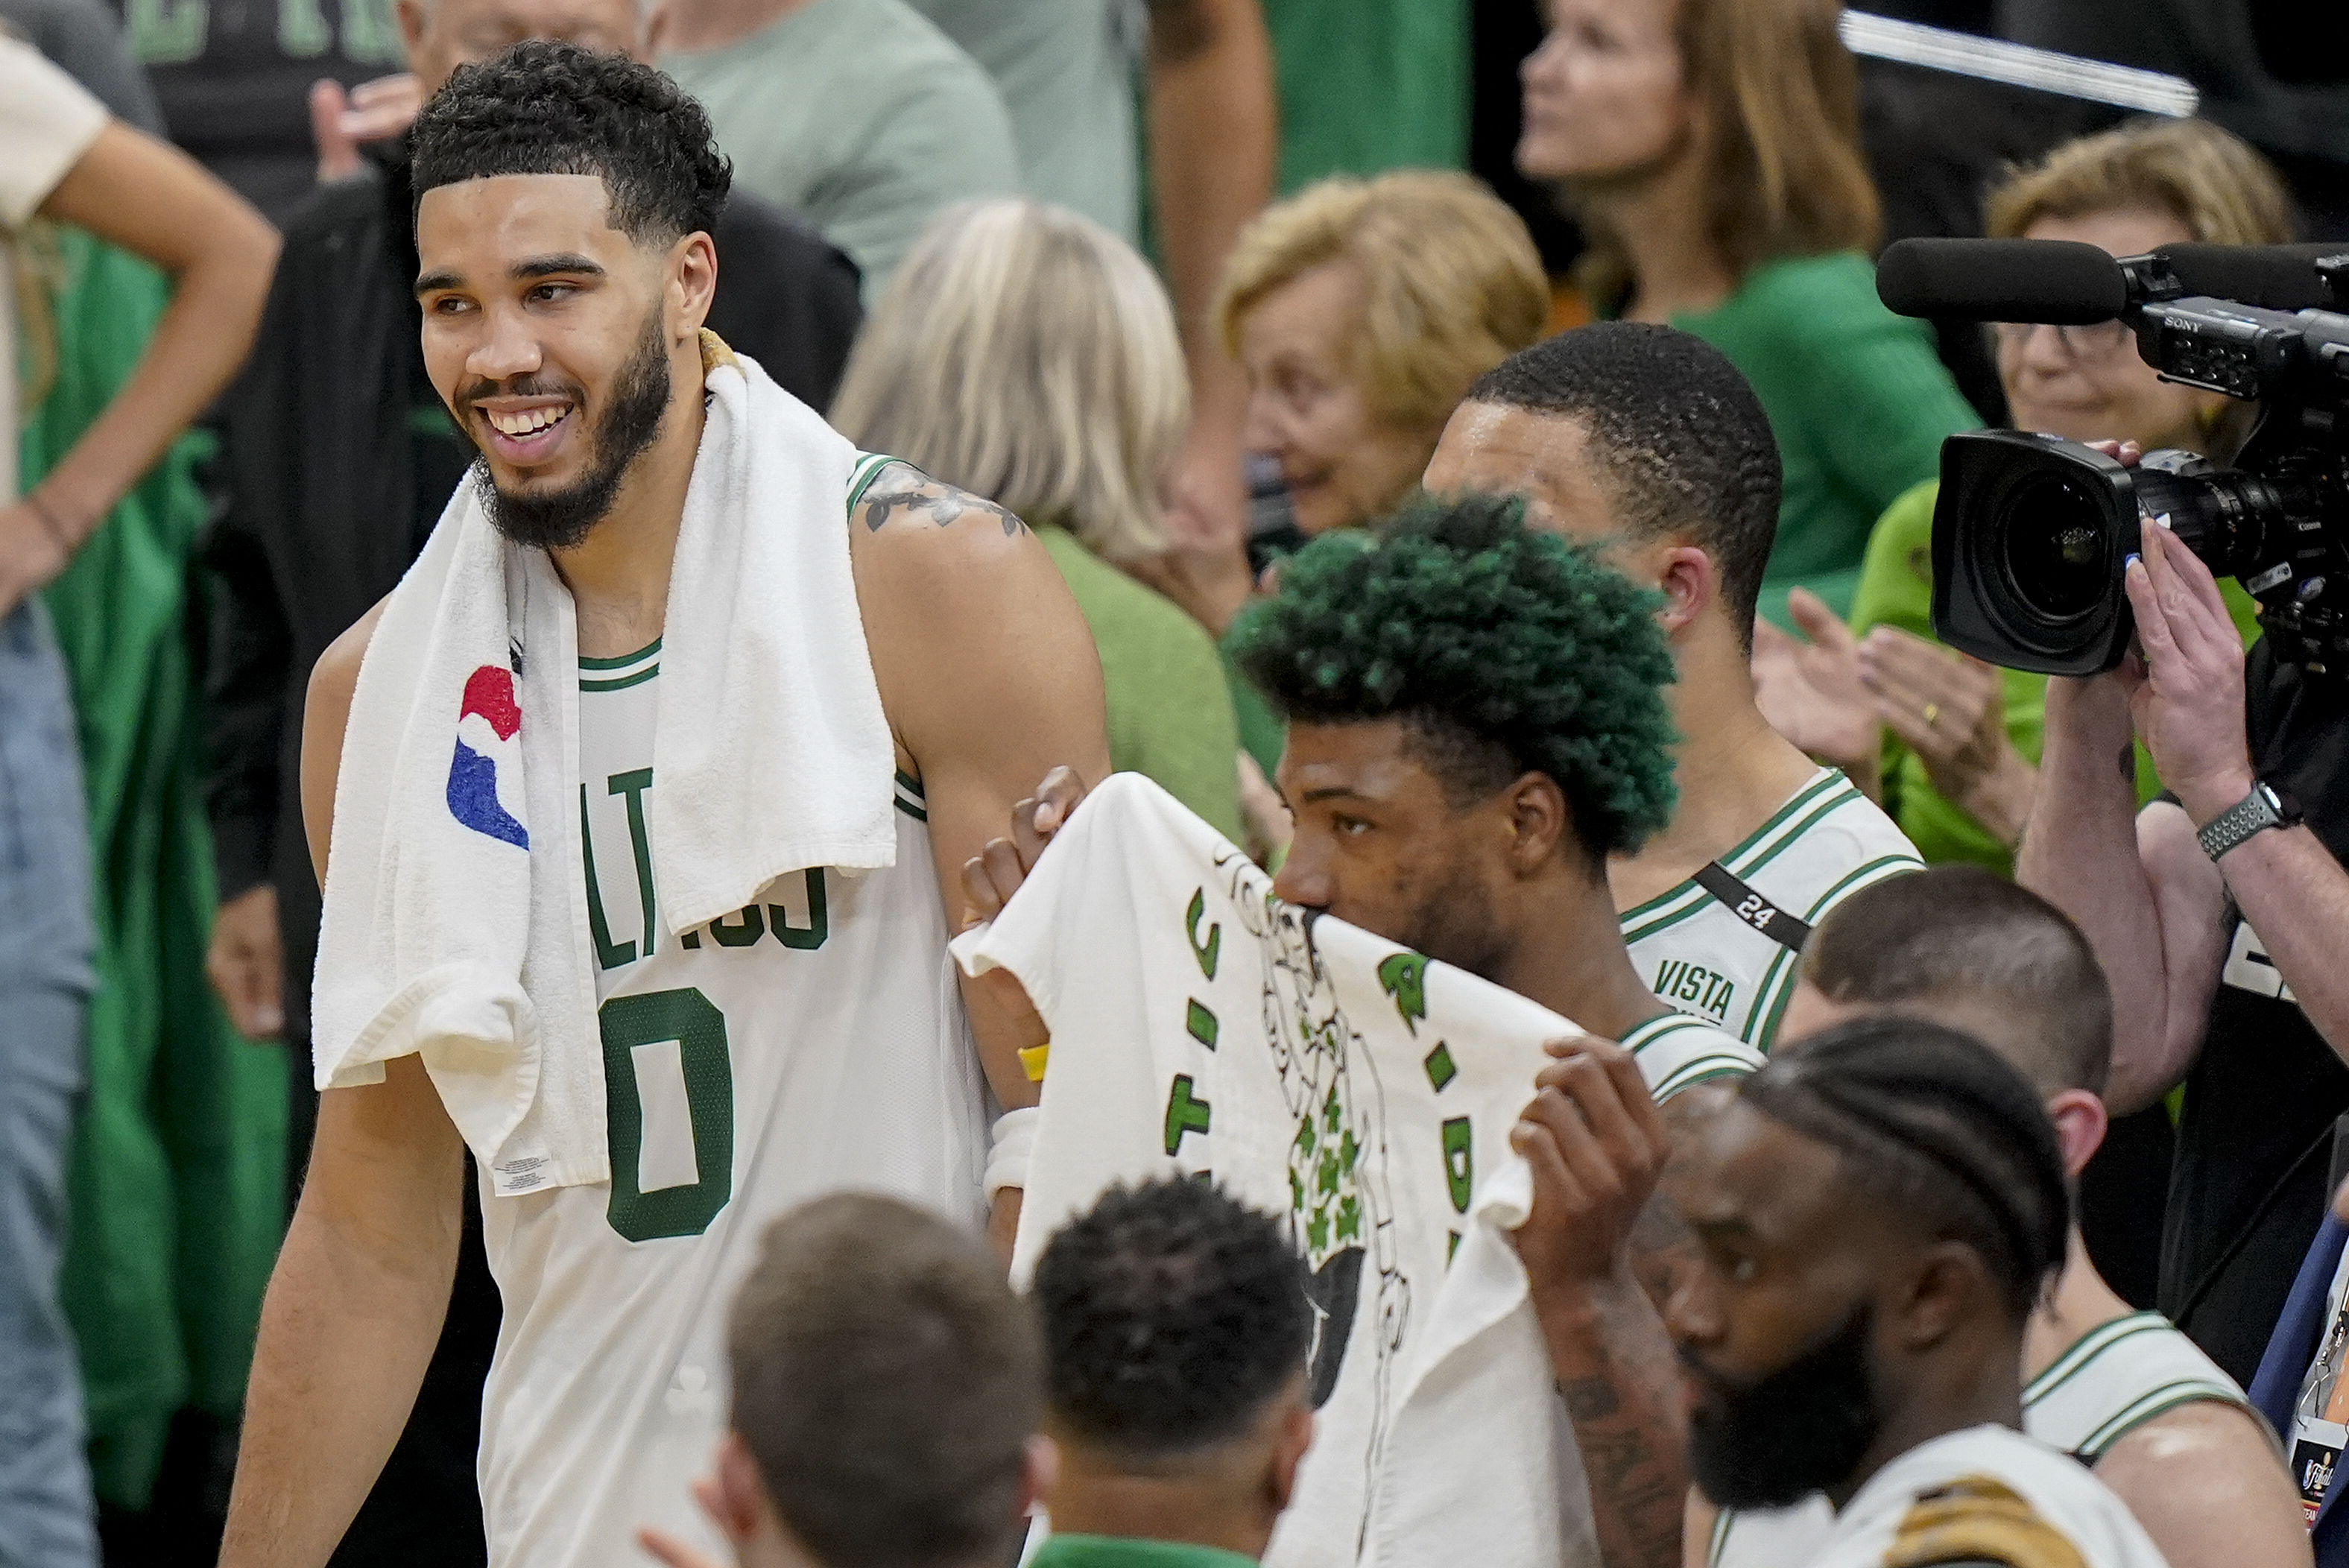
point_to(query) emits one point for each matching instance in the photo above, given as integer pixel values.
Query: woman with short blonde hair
(1712, 149)
(1361, 310)
(1027, 355)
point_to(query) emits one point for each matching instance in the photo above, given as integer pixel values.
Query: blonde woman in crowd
(1360, 310)
(1027, 355)
(1711, 149)
(1957, 769)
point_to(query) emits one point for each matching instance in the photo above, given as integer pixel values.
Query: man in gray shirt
(858, 113)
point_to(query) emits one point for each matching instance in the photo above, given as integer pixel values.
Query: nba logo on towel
(487, 724)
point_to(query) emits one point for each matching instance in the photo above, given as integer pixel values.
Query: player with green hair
(1476, 721)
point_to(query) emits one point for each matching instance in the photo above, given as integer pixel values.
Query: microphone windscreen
(2059, 281)
(2273, 277)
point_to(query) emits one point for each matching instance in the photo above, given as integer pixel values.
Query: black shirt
(2255, 1144)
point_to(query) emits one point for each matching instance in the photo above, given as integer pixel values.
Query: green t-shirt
(1065, 69)
(1367, 85)
(1121, 1552)
(1896, 589)
(1170, 715)
(859, 115)
(1858, 402)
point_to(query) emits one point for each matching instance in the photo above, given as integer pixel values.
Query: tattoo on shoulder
(904, 489)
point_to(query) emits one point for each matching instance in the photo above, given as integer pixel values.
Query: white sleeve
(47, 123)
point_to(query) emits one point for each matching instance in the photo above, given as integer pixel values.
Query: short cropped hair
(887, 1380)
(2209, 179)
(1028, 354)
(1452, 284)
(1681, 441)
(1964, 933)
(1172, 1315)
(546, 107)
(1931, 1124)
(1503, 649)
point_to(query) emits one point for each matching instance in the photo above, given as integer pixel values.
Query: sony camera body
(2032, 533)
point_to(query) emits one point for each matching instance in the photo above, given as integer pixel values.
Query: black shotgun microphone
(2273, 277)
(2059, 281)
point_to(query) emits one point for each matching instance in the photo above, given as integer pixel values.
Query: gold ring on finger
(1932, 714)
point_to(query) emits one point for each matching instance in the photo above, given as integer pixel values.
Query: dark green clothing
(177, 1177)
(1856, 397)
(1119, 1552)
(1366, 85)
(1170, 717)
(1896, 589)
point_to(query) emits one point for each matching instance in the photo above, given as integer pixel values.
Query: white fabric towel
(1359, 1090)
(455, 928)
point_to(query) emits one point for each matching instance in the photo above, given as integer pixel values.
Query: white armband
(1015, 1141)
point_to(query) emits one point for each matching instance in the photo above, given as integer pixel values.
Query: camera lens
(2052, 543)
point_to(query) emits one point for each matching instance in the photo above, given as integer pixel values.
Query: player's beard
(559, 519)
(1800, 1430)
(1454, 924)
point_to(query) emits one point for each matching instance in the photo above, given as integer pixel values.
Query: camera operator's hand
(2186, 689)
(1950, 710)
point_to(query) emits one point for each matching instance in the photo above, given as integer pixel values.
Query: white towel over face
(455, 926)
(1365, 1094)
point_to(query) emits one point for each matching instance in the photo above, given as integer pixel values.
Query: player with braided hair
(2120, 1390)
(1646, 443)
(1875, 1218)
(1177, 1341)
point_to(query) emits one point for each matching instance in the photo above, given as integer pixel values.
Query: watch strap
(2249, 815)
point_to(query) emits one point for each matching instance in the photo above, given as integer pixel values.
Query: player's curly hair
(1171, 1315)
(548, 108)
(1504, 648)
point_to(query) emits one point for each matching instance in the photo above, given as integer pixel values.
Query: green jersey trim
(2087, 1347)
(624, 682)
(2155, 1402)
(867, 468)
(908, 798)
(624, 661)
(1713, 1062)
(1761, 846)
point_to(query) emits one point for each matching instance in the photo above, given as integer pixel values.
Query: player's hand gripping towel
(454, 926)
(1201, 1025)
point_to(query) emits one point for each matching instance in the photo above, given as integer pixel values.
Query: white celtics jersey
(2116, 1378)
(813, 1041)
(1726, 952)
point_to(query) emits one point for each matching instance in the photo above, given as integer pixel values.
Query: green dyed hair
(1503, 649)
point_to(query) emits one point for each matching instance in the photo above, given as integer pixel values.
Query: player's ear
(2080, 1123)
(1293, 1437)
(692, 283)
(1686, 579)
(1940, 1291)
(1539, 822)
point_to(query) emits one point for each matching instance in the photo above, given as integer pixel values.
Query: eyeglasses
(2087, 345)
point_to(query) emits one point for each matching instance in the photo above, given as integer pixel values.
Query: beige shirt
(46, 123)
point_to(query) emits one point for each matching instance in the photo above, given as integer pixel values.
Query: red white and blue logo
(489, 726)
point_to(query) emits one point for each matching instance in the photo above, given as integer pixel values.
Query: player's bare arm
(2205, 1482)
(361, 1285)
(989, 680)
(1597, 1145)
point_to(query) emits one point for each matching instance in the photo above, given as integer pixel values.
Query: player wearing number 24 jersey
(1646, 444)
(814, 1038)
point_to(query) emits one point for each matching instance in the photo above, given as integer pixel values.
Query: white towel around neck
(455, 925)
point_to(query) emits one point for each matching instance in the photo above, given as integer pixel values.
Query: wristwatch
(2264, 807)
